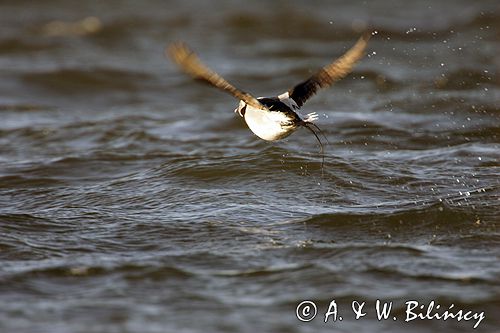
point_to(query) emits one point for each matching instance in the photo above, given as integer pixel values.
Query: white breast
(267, 125)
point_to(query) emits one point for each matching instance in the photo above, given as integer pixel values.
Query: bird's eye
(242, 111)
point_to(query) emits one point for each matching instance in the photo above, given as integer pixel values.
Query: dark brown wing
(331, 73)
(189, 62)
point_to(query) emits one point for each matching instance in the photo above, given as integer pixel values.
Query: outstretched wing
(331, 73)
(189, 62)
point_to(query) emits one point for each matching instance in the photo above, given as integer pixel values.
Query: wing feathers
(331, 73)
(189, 62)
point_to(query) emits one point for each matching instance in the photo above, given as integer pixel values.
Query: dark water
(133, 199)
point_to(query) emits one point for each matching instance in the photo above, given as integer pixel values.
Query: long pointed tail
(313, 128)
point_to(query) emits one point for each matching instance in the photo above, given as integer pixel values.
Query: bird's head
(241, 108)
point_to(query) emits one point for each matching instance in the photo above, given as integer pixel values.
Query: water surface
(132, 199)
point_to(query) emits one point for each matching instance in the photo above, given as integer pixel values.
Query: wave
(12, 46)
(87, 80)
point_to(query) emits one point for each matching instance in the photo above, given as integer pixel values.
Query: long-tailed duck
(273, 118)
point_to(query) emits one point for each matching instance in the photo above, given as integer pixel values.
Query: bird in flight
(273, 118)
